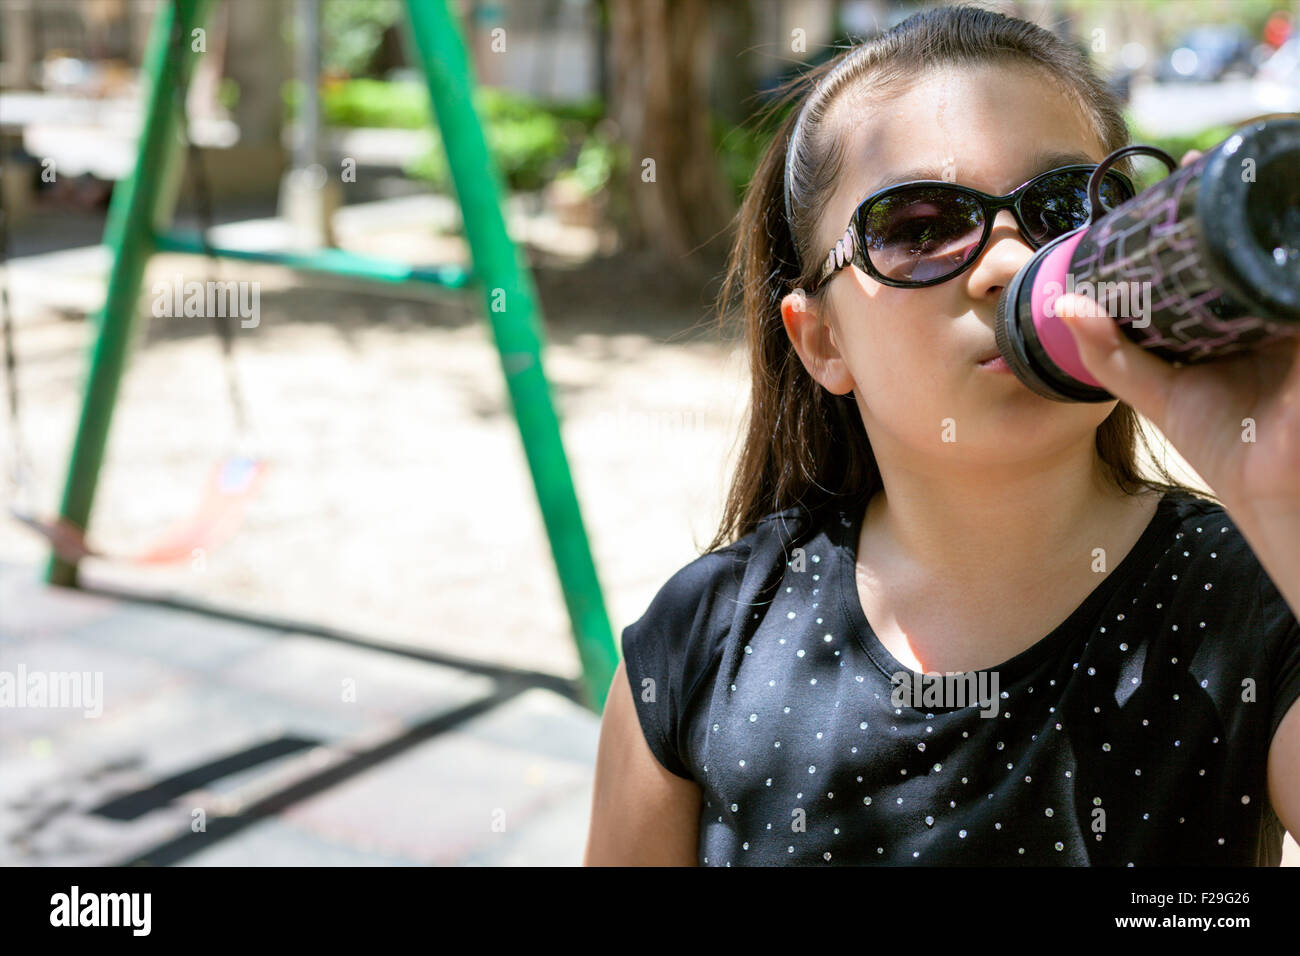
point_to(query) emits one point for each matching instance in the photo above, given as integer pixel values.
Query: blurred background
(396, 539)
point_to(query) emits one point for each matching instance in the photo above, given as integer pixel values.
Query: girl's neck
(1013, 526)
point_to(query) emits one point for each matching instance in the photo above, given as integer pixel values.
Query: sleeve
(1270, 619)
(669, 650)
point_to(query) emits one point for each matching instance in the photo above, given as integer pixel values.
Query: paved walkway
(221, 742)
(196, 740)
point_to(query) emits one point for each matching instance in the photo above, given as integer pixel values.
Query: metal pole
(511, 308)
(138, 204)
(337, 262)
(307, 148)
(308, 194)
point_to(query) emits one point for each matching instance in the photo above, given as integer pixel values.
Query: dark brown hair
(804, 445)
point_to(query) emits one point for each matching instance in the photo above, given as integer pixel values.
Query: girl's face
(911, 356)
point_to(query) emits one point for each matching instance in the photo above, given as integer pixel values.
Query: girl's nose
(1007, 251)
(1004, 219)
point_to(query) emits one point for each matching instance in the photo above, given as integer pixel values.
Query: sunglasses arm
(840, 256)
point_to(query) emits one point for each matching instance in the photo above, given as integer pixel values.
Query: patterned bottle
(1203, 263)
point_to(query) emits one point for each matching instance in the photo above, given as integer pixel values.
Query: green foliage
(228, 93)
(372, 103)
(529, 139)
(533, 141)
(351, 31)
(1172, 19)
(598, 160)
(586, 113)
(1176, 146)
(739, 150)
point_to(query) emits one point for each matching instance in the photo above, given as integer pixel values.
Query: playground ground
(395, 546)
(397, 511)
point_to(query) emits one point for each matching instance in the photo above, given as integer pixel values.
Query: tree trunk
(661, 71)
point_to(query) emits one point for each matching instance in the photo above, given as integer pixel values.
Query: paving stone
(276, 843)
(509, 786)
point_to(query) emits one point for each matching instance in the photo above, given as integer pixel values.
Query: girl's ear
(814, 339)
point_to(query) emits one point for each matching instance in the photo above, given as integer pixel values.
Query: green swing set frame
(138, 225)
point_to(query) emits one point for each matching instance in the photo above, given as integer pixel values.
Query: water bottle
(1202, 264)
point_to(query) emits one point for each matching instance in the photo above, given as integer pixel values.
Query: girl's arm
(1284, 771)
(641, 813)
(1237, 423)
(1274, 535)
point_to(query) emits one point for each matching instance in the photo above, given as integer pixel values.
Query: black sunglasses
(922, 233)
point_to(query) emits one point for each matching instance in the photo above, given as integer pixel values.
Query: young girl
(904, 506)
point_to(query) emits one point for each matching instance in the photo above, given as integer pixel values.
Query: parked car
(1207, 54)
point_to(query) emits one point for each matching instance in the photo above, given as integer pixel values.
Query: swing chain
(202, 203)
(20, 474)
(66, 540)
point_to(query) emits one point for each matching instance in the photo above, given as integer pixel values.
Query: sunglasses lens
(922, 234)
(1058, 203)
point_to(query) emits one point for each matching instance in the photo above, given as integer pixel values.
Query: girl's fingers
(1126, 371)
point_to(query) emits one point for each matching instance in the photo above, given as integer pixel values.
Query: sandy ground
(398, 503)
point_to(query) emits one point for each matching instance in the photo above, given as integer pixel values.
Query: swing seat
(230, 486)
(65, 538)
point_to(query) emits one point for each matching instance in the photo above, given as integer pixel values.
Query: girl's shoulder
(1187, 503)
(772, 536)
(701, 595)
(1193, 551)
(1200, 528)
(693, 611)
(671, 648)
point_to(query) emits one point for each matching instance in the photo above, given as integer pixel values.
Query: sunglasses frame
(848, 249)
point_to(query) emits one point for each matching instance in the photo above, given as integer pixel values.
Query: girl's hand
(1235, 420)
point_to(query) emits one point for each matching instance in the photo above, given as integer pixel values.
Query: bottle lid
(1250, 203)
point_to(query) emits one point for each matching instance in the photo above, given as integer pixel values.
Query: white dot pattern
(1123, 738)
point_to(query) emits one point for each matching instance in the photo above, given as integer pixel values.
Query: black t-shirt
(1135, 733)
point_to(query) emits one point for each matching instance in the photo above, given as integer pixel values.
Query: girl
(1126, 650)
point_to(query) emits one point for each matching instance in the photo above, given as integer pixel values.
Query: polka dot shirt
(1134, 734)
